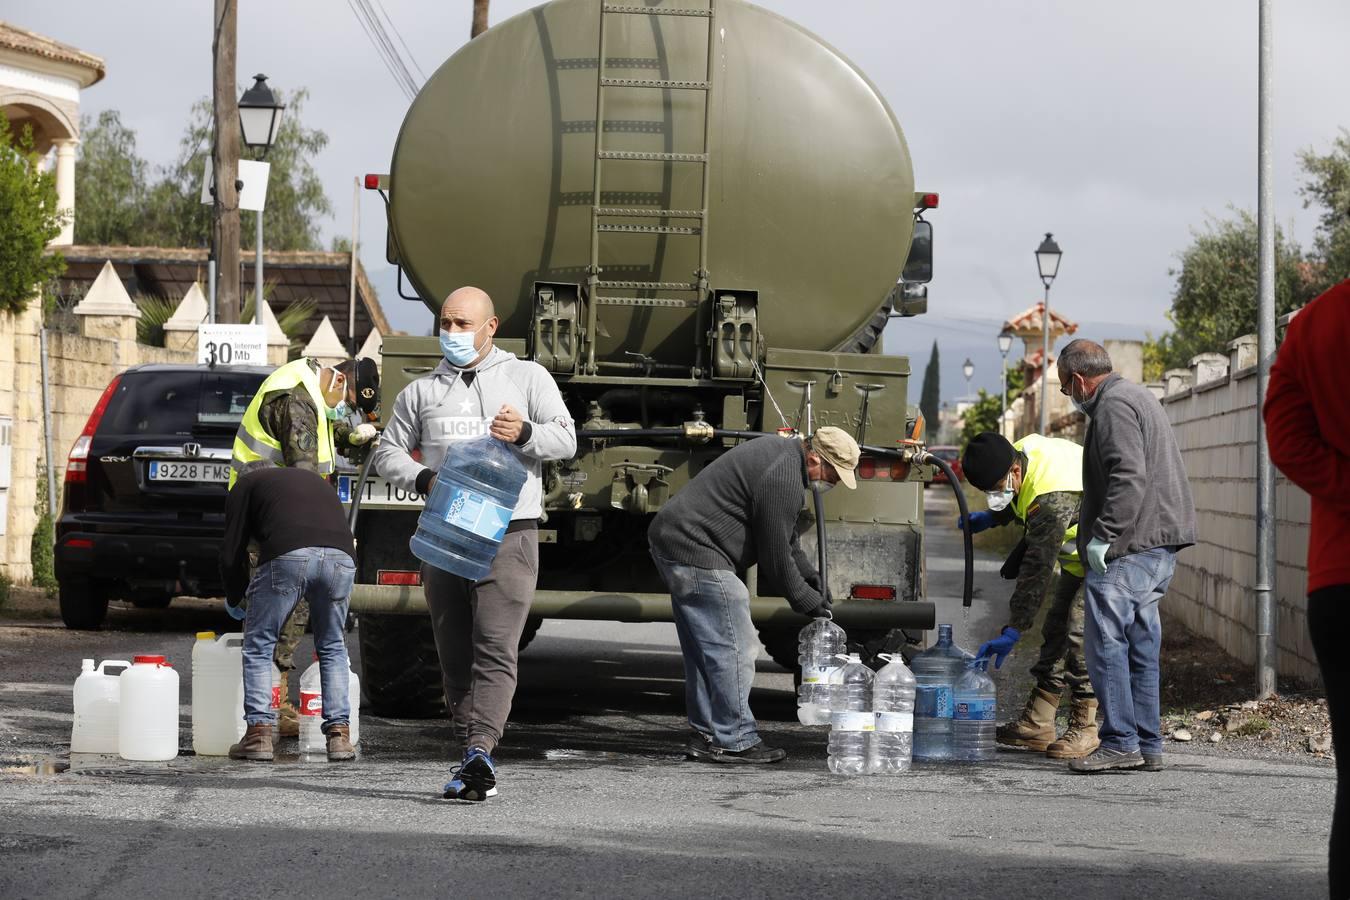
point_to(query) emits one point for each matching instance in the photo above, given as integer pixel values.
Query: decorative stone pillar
(180, 331)
(325, 346)
(278, 345)
(65, 190)
(107, 312)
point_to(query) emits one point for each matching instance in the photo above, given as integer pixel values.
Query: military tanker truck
(696, 216)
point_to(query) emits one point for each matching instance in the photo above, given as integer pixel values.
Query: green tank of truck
(696, 215)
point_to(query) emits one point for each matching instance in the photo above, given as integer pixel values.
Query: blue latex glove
(999, 647)
(979, 521)
(236, 612)
(1096, 555)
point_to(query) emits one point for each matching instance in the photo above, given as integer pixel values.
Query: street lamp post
(968, 369)
(1004, 345)
(1047, 262)
(259, 119)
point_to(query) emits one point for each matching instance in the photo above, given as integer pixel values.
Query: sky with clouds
(1119, 127)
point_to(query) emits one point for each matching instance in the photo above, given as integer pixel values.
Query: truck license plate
(189, 471)
(378, 493)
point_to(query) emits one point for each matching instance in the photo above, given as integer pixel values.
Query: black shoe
(475, 779)
(758, 754)
(699, 746)
(1153, 762)
(1104, 759)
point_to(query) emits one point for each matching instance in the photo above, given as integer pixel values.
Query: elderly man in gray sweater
(740, 511)
(1136, 514)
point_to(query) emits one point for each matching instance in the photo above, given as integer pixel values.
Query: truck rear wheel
(781, 645)
(400, 670)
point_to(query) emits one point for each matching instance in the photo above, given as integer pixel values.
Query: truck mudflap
(635, 607)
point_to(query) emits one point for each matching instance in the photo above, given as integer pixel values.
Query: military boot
(1035, 729)
(256, 744)
(288, 720)
(340, 747)
(1081, 738)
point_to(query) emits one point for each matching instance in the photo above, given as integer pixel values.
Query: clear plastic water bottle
(312, 738)
(819, 646)
(469, 507)
(851, 717)
(892, 743)
(973, 717)
(936, 671)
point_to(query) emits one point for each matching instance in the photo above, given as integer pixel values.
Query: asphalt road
(596, 801)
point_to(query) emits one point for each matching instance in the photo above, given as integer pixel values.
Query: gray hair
(1084, 357)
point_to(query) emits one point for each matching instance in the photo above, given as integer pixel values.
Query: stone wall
(1213, 410)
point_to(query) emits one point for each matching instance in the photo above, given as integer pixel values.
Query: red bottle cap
(148, 660)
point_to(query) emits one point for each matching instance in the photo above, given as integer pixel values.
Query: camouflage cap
(838, 448)
(367, 384)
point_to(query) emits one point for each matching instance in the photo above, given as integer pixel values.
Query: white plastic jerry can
(97, 700)
(217, 692)
(148, 713)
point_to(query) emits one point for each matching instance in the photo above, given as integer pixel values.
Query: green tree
(29, 220)
(1327, 186)
(930, 395)
(111, 182)
(168, 211)
(984, 414)
(1216, 289)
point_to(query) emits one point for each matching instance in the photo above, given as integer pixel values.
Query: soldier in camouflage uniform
(291, 418)
(1038, 482)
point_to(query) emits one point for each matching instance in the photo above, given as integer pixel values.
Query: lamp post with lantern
(1047, 262)
(1005, 340)
(260, 120)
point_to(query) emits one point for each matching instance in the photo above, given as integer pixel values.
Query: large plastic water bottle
(217, 692)
(98, 697)
(147, 716)
(850, 717)
(892, 743)
(973, 725)
(819, 646)
(312, 739)
(936, 671)
(469, 507)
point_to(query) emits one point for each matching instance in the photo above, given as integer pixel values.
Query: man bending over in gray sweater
(739, 511)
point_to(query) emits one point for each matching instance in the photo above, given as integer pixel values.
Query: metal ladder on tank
(599, 213)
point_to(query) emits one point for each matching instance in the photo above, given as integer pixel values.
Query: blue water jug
(469, 508)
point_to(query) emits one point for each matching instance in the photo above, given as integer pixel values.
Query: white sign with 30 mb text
(231, 345)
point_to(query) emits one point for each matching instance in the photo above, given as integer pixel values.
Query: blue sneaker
(474, 779)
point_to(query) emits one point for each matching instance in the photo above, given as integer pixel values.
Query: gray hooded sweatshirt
(438, 409)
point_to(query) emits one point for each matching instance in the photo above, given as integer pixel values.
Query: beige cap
(839, 449)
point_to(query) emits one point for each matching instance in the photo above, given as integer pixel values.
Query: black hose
(969, 587)
(820, 544)
(359, 489)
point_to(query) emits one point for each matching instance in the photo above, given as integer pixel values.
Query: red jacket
(1308, 427)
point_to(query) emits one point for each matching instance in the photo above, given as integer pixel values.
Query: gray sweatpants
(478, 627)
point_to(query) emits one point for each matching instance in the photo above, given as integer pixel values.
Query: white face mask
(998, 500)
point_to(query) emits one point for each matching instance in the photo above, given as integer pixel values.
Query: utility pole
(480, 18)
(1264, 588)
(225, 160)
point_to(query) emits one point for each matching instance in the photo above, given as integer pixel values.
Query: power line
(365, 17)
(399, 35)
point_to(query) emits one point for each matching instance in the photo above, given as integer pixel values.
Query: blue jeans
(719, 645)
(324, 577)
(1122, 635)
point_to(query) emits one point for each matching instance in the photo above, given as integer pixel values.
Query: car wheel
(400, 670)
(84, 604)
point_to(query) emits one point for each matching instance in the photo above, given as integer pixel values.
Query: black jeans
(1328, 622)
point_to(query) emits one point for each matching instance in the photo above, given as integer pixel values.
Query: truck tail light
(872, 592)
(882, 468)
(77, 464)
(398, 578)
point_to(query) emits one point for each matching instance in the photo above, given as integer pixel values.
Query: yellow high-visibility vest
(1053, 465)
(252, 442)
